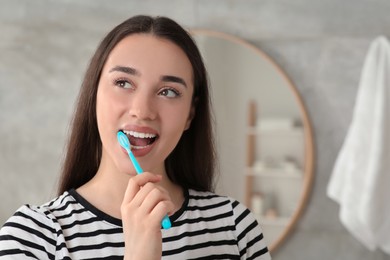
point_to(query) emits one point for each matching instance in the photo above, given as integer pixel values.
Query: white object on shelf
(285, 169)
(257, 203)
(278, 221)
(274, 123)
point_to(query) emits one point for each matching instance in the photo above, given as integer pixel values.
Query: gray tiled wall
(45, 46)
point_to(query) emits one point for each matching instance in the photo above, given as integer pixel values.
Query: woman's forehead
(145, 51)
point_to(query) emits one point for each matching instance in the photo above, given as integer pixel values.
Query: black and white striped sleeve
(28, 234)
(250, 238)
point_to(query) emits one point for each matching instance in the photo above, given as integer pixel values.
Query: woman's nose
(142, 106)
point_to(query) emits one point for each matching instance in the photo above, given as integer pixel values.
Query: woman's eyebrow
(164, 78)
(125, 69)
(168, 78)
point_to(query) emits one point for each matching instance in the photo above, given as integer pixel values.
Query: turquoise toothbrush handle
(136, 165)
(166, 222)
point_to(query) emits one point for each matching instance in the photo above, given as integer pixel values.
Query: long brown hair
(191, 164)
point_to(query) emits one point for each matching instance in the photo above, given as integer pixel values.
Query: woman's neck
(107, 188)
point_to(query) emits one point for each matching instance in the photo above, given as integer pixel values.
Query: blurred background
(45, 46)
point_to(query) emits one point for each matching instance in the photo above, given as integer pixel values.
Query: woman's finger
(151, 197)
(162, 209)
(138, 181)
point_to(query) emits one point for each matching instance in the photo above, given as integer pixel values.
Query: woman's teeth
(140, 135)
(138, 147)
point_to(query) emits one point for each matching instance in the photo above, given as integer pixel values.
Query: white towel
(360, 180)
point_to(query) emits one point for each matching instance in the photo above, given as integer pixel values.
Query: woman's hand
(144, 205)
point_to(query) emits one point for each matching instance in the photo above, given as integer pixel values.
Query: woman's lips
(143, 151)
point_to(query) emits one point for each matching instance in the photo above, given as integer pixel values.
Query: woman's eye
(123, 83)
(171, 93)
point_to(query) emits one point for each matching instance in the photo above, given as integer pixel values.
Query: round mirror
(263, 134)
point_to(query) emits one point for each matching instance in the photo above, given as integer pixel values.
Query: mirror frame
(308, 132)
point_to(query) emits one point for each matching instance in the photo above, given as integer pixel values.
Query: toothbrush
(124, 142)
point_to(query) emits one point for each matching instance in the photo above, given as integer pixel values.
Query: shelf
(293, 131)
(274, 173)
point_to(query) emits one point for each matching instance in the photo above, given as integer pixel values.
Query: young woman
(147, 79)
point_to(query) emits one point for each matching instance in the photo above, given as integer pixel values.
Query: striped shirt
(207, 226)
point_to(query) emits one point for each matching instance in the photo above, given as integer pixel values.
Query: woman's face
(145, 90)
